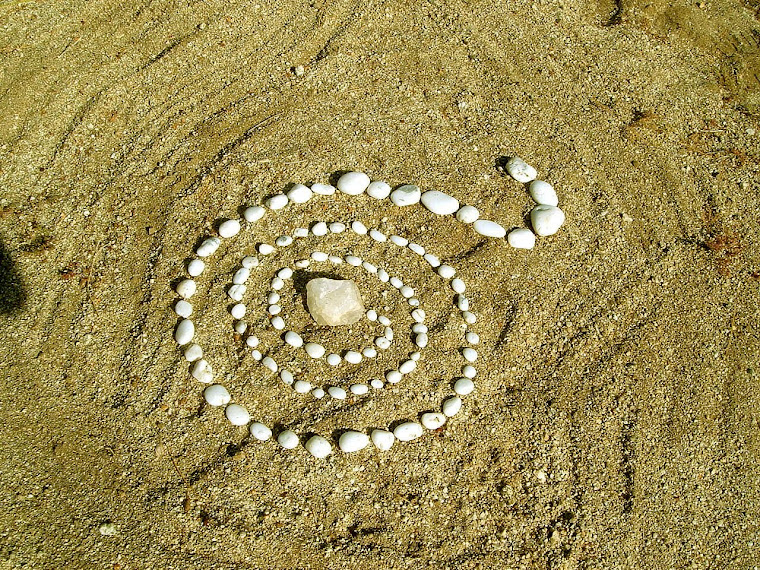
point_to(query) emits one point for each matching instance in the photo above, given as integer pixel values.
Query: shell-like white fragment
(489, 229)
(302, 386)
(522, 238)
(546, 220)
(415, 356)
(458, 285)
(193, 353)
(277, 202)
(238, 311)
(293, 339)
(520, 170)
(396, 282)
(359, 389)
(353, 183)
(287, 439)
(203, 372)
(249, 262)
(301, 232)
(452, 406)
(419, 328)
(439, 203)
(399, 241)
(302, 264)
(463, 303)
(319, 229)
(335, 259)
(315, 350)
(300, 194)
(379, 189)
(217, 395)
(323, 189)
(393, 376)
(183, 309)
(464, 386)
(406, 195)
(378, 236)
(185, 332)
(229, 228)
(469, 317)
(446, 271)
(468, 214)
(352, 441)
(337, 227)
(186, 288)
(543, 193)
(208, 247)
(237, 415)
(334, 359)
(382, 439)
(418, 315)
(337, 393)
(195, 267)
(388, 333)
(408, 431)
(359, 228)
(318, 446)
(432, 420)
(254, 213)
(352, 357)
(260, 431)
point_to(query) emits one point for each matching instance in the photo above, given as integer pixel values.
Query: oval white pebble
(195, 267)
(520, 170)
(293, 339)
(323, 189)
(546, 220)
(469, 317)
(407, 292)
(353, 183)
(378, 189)
(418, 315)
(265, 249)
(318, 446)
(254, 213)
(278, 323)
(183, 309)
(543, 193)
(399, 241)
(468, 214)
(249, 262)
(300, 194)
(353, 260)
(408, 431)
(252, 341)
(382, 439)
(287, 439)
(238, 311)
(378, 236)
(241, 276)
(273, 298)
(359, 228)
(302, 386)
(269, 363)
(319, 229)
(352, 357)
(470, 354)
(419, 328)
(337, 227)
(186, 288)
(489, 229)
(260, 431)
(277, 284)
(464, 386)
(334, 359)
(446, 271)
(393, 376)
(415, 356)
(237, 415)
(319, 256)
(301, 232)
(452, 406)
(432, 260)
(377, 384)
(285, 273)
(236, 292)
(335, 259)
(208, 247)
(229, 228)
(302, 264)
(458, 285)
(359, 389)
(469, 371)
(369, 352)
(287, 377)
(416, 248)
(421, 340)
(318, 393)
(382, 343)
(432, 420)
(337, 393)
(407, 366)
(522, 238)
(217, 395)
(193, 353)
(472, 337)
(277, 202)
(372, 315)
(406, 195)
(315, 350)
(185, 332)
(383, 276)
(202, 372)
(352, 441)
(283, 241)
(439, 203)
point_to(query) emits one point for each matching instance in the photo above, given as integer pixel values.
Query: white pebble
(249, 262)
(318, 393)
(208, 247)
(469, 371)
(277, 202)
(236, 292)
(383, 320)
(382, 439)
(283, 241)
(382, 343)
(319, 229)
(229, 228)
(241, 276)
(489, 229)
(352, 357)
(302, 264)
(260, 431)
(369, 352)
(472, 338)
(372, 315)
(287, 439)
(393, 376)
(388, 333)
(416, 248)
(415, 356)
(195, 267)
(378, 189)
(399, 241)
(463, 303)
(353, 260)
(470, 354)
(421, 340)
(217, 395)
(302, 386)
(256, 354)
(301, 232)
(334, 359)
(383, 276)
(278, 323)
(359, 228)
(203, 372)
(337, 227)
(378, 236)
(468, 214)
(287, 377)
(408, 431)
(293, 339)
(252, 341)
(193, 353)
(418, 315)
(407, 292)
(299, 194)
(452, 406)
(285, 273)
(237, 415)
(277, 284)
(406, 195)
(377, 384)
(186, 288)
(520, 170)
(432, 260)
(439, 203)
(323, 189)
(335, 259)
(265, 249)
(432, 420)
(254, 213)
(464, 386)
(337, 393)
(446, 271)
(522, 238)
(458, 285)
(396, 282)
(353, 183)
(315, 350)
(359, 389)
(419, 328)
(185, 332)
(407, 366)
(318, 446)
(546, 220)
(319, 256)
(183, 309)
(238, 311)
(273, 298)
(543, 193)
(269, 364)
(469, 317)
(352, 441)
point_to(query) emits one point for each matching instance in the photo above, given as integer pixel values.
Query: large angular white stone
(333, 301)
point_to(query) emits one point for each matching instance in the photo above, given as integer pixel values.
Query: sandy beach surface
(616, 418)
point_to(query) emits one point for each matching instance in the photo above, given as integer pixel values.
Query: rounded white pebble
(399, 241)
(382, 439)
(236, 292)
(463, 303)
(546, 220)
(319, 256)
(372, 315)
(249, 262)
(520, 170)
(408, 431)
(382, 343)
(388, 333)
(407, 292)
(378, 236)
(472, 337)
(208, 247)
(203, 372)
(335, 259)
(419, 328)
(302, 264)
(285, 273)
(269, 364)
(253, 214)
(185, 332)
(318, 393)
(260, 431)
(217, 395)
(229, 228)
(352, 357)
(418, 315)
(277, 202)
(469, 317)
(334, 359)
(183, 309)
(377, 384)
(238, 311)
(293, 339)
(359, 389)
(396, 282)
(256, 354)
(458, 285)
(186, 288)
(278, 323)
(469, 371)
(277, 284)
(379, 189)
(283, 241)
(273, 298)
(406, 195)
(195, 267)
(241, 276)
(359, 228)
(522, 238)
(464, 386)
(337, 227)
(432, 420)
(353, 260)
(193, 353)
(352, 441)
(353, 183)
(416, 248)
(337, 393)
(468, 214)
(301, 232)
(323, 189)
(315, 350)
(470, 354)
(543, 193)
(237, 415)
(318, 446)
(489, 229)
(287, 377)
(446, 271)
(415, 356)
(300, 194)
(393, 376)
(432, 260)
(369, 352)
(252, 341)
(265, 249)
(439, 203)
(383, 276)
(319, 229)
(287, 439)
(421, 340)
(407, 366)
(302, 386)
(369, 267)
(383, 320)
(452, 406)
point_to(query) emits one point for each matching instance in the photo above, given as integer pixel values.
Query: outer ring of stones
(546, 218)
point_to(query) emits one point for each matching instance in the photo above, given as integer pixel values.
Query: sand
(615, 423)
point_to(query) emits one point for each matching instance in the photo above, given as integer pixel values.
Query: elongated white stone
(277, 202)
(393, 376)
(522, 238)
(416, 248)
(315, 350)
(337, 393)
(208, 247)
(301, 232)
(382, 275)
(195, 267)
(186, 288)
(378, 189)
(520, 170)
(439, 203)
(260, 431)
(419, 328)
(217, 395)
(407, 366)
(278, 323)
(546, 220)
(468, 214)
(406, 195)
(452, 406)
(229, 228)
(399, 241)
(302, 264)
(283, 241)
(359, 389)
(302, 386)
(318, 446)
(294, 339)
(464, 386)
(185, 332)
(458, 285)
(241, 276)
(287, 377)
(369, 352)
(253, 214)
(323, 189)
(489, 229)
(287, 439)
(353, 183)
(432, 420)
(383, 320)
(408, 431)
(432, 260)
(319, 256)
(421, 340)
(543, 193)
(269, 364)
(241, 327)
(378, 236)
(353, 441)
(353, 260)
(203, 372)
(300, 194)
(237, 415)
(469, 317)
(335, 259)
(183, 309)
(382, 439)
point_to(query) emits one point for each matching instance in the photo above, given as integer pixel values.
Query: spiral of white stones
(546, 219)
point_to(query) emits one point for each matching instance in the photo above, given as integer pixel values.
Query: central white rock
(334, 301)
